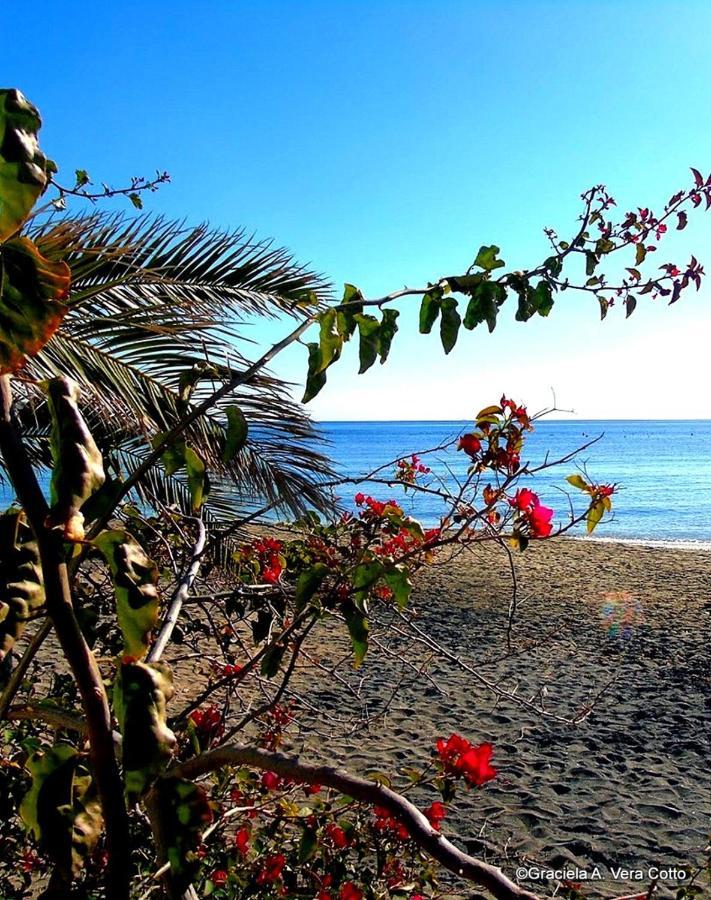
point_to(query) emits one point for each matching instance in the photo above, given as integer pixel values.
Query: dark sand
(630, 785)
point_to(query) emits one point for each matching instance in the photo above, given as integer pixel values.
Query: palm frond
(151, 300)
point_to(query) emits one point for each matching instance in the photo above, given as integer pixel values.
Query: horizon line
(466, 421)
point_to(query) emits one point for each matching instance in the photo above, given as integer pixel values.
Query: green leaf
(554, 265)
(449, 324)
(182, 811)
(364, 578)
(135, 577)
(307, 844)
(429, 310)
(398, 580)
(358, 629)
(173, 457)
(271, 661)
(61, 808)
(543, 298)
(484, 305)
(198, 483)
(136, 200)
(330, 338)
(32, 289)
(353, 297)
(591, 261)
(640, 254)
(487, 259)
(316, 377)
(388, 329)
(78, 469)
(604, 306)
(141, 693)
(21, 581)
(464, 284)
(236, 436)
(595, 513)
(630, 304)
(308, 582)
(578, 482)
(369, 331)
(24, 169)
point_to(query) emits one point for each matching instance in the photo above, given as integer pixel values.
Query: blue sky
(385, 142)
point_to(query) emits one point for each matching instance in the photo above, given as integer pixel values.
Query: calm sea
(663, 468)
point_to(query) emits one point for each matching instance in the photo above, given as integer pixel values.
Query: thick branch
(419, 828)
(80, 658)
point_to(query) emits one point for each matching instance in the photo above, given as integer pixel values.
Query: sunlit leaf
(32, 289)
(316, 376)
(78, 469)
(237, 430)
(388, 329)
(135, 579)
(24, 169)
(198, 482)
(141, 692)
(21, 581)
(487, 258)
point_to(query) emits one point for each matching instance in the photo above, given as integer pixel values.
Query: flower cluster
(460, 758)
(263, 558)
(497, 442)
(407, 470)
(209, 724)
(536, 518)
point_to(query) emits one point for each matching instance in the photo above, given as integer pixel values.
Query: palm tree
(158, 319)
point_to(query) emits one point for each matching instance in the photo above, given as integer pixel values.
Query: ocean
(662, 468)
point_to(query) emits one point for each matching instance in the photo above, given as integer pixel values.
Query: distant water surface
(663, 468)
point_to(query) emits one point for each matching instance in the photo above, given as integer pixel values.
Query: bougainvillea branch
(418, 826)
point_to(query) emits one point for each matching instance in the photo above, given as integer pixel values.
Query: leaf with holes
(24, 170)
(61, 808)
(21, 582)
(141, 694)
(135, 579)
(78, 469)
(32, 289)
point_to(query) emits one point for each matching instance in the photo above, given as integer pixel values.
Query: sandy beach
(623, 626)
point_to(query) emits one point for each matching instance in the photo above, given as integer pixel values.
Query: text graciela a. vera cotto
(596, 873)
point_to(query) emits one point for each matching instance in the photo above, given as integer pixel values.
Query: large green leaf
(61, 808)
(78, 469)
(487, 258)
(182, 812)
(358, 629)
(21, 583)
(32, 289)
(236, 435)
(330, 338)
(388, 329)
(135, 577)
(484, 305)
(308, 582)
(369, 332)
(24, 169)
(449, 323)
(141, 693)
(198, 482)
(316, 376)
(398, 580)
(429, 309)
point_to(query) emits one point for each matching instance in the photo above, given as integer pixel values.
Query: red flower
(539, 520)
(470, 444)
(459, 757)
(359, 499)
(605, 490)
(385, 821)
(271, 781)
(436, 813)
(218, 877)
(475, 764)
(524, 500)
(272, 869)
(336, 835)
(350, 892)
(242, 838)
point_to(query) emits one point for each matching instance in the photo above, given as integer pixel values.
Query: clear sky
(384, 142)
